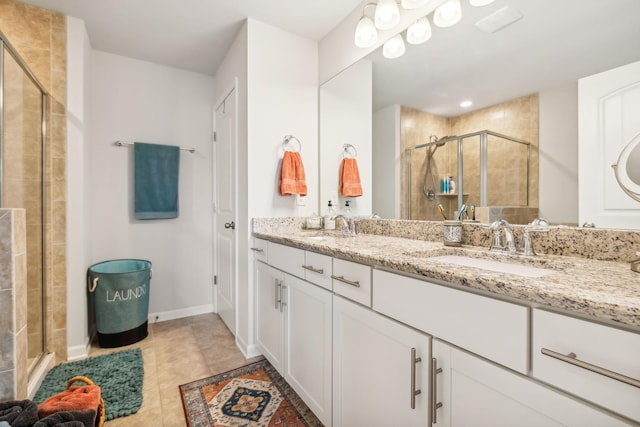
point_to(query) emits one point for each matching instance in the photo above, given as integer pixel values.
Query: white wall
(78, 247)
(283, 99)
(346, 118)
(277, 91)
(558, 139)
(386, 145)
(134, 100)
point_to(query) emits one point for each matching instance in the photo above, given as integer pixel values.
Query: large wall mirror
(522, 80)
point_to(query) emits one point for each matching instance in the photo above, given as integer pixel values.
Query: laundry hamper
(120, 293)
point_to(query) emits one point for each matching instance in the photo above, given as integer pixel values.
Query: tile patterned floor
(177, 352)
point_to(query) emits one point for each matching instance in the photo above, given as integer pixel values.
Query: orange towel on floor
(292, 178)
(74, 398)
(350, 185)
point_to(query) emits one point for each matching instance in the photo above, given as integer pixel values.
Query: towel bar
(125, 143)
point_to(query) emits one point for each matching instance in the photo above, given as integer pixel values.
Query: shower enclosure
(22, 146)
(488, 168)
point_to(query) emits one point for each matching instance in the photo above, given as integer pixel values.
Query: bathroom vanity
(379, 330)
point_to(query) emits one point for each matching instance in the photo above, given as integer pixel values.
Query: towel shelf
(125, 143)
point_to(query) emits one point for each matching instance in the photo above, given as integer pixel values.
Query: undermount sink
(493, 265)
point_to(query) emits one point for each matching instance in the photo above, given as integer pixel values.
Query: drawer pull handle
(348, 282)
(414, 392)
(315, 270)
(257, 249)
(572, 359)
(435, 405)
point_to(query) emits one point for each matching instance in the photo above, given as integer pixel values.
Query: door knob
(231, 225)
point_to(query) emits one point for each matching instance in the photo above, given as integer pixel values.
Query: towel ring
(345, 150)
(287, 140)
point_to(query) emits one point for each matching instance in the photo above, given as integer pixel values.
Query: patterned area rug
(252, 396)
(119, 375)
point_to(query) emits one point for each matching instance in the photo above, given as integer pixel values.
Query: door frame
(232, 88)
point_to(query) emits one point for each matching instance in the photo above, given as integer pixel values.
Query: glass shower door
(21, 162)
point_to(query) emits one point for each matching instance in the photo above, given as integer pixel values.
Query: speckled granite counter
(602, 290)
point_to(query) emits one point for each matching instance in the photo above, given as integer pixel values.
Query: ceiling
(554, 44)
(192, 34)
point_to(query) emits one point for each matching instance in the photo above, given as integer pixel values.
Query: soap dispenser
(330, 224)
(347, 208)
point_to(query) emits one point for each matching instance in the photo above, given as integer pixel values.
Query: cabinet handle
(282, 295)
(257, 249)
(572, 359)
(348, 282)
(278, 294)
(435, 405)
(315, 270)
(414, 392)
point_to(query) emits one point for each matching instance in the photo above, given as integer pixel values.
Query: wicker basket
(100, 415)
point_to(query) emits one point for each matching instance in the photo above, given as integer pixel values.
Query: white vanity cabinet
(596, 362)
(380, 370)
(293, 330)
(470, 391)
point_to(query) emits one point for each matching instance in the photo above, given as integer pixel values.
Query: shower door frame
(483, 164)
(6, 46)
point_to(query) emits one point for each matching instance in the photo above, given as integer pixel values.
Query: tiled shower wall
(13, 302)
(517, 118)
(39, 36)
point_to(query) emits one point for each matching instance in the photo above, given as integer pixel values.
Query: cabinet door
(476, 393)
(269, 317)
(373, 367)
(308, 345)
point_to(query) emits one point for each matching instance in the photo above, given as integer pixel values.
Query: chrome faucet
(498, 228)
(538, 225)
(348, 224)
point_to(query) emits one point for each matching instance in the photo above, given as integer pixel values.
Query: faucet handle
(527, 243)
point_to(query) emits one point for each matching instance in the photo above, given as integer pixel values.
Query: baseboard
(162, 316)
(78, 352)
(248, 351)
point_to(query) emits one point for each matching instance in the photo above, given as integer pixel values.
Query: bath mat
(120, 376)
(253, 396)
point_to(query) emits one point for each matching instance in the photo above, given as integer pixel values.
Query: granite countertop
(602, 290)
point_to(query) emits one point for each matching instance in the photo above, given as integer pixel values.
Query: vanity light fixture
(447, 14)
(387, 14)
(479, 3)
(414, 4)
(394, 47)
(419, 31)
(366, 33)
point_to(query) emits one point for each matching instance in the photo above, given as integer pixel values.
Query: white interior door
(224, 166)
(608, 105)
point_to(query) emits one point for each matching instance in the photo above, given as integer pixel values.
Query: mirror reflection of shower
(430, 183)
(485, 169)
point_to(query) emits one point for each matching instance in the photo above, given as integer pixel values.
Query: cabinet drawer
(352, 280)
(317, 269)
(615, 350)
(491, 328)
(286, 258)
(259, 249)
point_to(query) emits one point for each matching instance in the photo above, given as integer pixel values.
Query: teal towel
(156, 180)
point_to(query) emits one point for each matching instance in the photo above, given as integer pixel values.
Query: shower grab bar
(125, 143)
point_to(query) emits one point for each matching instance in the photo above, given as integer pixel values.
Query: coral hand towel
(350, 185)
(292, 177)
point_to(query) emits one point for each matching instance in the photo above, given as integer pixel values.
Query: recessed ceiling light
(466, 104)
